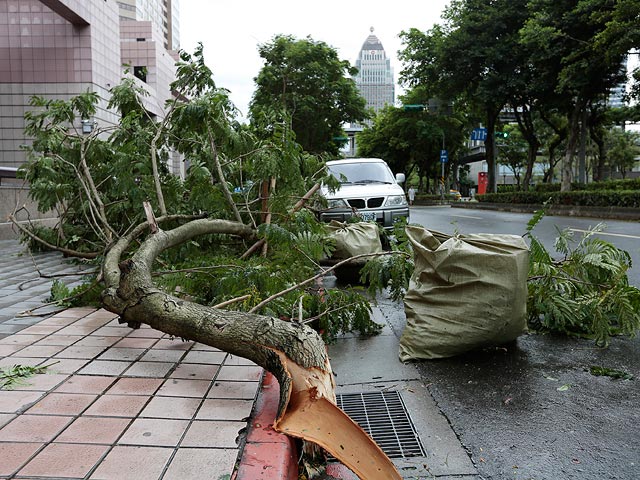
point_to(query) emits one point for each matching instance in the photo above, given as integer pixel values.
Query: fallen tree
(170, 273)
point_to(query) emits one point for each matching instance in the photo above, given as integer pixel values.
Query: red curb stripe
(267, 455)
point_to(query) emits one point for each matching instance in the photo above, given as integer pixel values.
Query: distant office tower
(375, 75)
(616, 95)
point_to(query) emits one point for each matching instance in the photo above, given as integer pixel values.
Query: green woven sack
(354, 238)
(466, 292)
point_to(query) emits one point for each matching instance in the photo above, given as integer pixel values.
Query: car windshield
(362, 173)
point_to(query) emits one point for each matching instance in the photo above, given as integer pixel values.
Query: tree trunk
(525, 122)
(491, 152)
(567, 162)
(293, 352)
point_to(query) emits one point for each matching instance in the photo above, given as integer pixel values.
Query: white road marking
(468, 216)
(605, 233)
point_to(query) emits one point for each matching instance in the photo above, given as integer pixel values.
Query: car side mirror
(400, 177)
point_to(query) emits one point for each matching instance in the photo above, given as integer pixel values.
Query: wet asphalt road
(531, 409)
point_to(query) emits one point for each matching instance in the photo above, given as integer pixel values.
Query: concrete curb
(267, 455)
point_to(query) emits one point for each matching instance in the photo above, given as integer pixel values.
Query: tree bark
(293, 352)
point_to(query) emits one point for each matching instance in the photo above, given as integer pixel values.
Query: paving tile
(117, 406)
(128, 342)
(115, 353)
(64, 460)
(9, 349)
(210, 358)
(34, 428)
(56, 339)
(15, 455)
(102, 314)
(154, 432)
(135, 386)
(97, 341)
(80, 352)
(176, 387)
(68, 365)
(173, 344)
(19, 339)
(195, 371)
(85, 384)
(149, 369)
(6, 418)
(42, 329)
(206, 433)
(42, 382)
(146, 332)
(236, 360)
(75, 312)
(113, 331)
(62, 404)
(7, 329)
(124, 463)
(194, 462)
(104, 367)
(55, 320)
(43, 351)
(171, 407)
(92, 322)
(104, 430)
(154, 355)
(225, 409)
(14, 401)
(240, 373)
(76, 330)
(239, 390)
(14, 360)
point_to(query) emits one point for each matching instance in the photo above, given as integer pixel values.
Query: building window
(141, 73)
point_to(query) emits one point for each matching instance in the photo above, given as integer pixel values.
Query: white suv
(367, 189)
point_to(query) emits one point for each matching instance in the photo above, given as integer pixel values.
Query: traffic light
(413, 107)
(502, 134)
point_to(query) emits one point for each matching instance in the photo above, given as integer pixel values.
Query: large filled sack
(466, 292)
(354, 238)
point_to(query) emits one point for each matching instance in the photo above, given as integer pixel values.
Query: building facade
(58, 49)
(375, 74)
(61, 48)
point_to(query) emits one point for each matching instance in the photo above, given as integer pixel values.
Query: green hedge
(433, 198)
(627, 184)
(585, 198)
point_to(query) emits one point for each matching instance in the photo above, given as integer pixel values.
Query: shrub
(585, 198)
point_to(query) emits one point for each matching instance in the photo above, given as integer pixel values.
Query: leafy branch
(16, 375)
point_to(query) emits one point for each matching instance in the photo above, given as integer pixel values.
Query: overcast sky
(231, 31)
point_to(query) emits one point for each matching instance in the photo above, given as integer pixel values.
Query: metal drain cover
(384, 417)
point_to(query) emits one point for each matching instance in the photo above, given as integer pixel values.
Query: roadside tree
(306, 82)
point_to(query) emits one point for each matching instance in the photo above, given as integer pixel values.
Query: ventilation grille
(375, 202)
(384, 417)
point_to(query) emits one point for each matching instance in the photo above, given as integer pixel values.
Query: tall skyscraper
(375, 74)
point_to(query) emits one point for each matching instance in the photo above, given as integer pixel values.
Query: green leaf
(564, 387)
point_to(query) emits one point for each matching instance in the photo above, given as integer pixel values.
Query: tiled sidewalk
(121, 403)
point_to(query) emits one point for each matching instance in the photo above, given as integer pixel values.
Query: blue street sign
(444, 156)
(479, 134)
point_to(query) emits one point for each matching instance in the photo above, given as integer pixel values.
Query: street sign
(479, 134)
(444, 156)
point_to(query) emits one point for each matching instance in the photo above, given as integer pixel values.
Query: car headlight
(336, 203)
(396, 201)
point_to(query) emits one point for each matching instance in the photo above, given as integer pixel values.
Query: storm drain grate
(384, 417)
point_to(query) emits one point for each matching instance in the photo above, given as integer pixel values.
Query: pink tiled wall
(39, 46)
